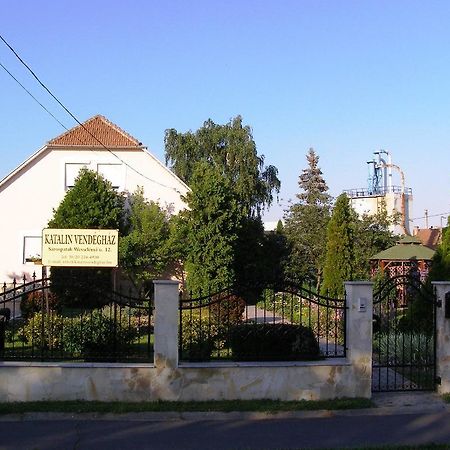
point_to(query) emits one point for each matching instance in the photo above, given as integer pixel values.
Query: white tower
(397, 198)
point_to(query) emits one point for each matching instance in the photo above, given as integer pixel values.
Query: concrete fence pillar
(442, 338)
(359, 334)
(166, 324)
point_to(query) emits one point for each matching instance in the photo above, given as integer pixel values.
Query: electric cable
(80, 123)
(31, 95)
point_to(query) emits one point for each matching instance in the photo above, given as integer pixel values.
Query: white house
(29, 193)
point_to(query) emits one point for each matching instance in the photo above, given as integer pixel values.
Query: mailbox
(447, 305)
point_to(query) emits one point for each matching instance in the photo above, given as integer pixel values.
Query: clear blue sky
(344, 77)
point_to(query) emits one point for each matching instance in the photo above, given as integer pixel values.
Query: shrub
(273, 342)
(198, 338)
(32, 303)
(44, 331)
(98, 334)
(404, 348)
(5, 314)
(82, 287)
(227, 309)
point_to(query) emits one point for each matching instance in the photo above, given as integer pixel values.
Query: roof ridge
(59, 140)
(117, 128)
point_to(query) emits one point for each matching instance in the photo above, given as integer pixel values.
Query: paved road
(407, 418)
(341, 430)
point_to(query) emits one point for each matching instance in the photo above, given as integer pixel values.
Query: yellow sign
(80, 248)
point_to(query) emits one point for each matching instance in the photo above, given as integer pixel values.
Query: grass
(446, 398)
(269, 406)
(404, 447)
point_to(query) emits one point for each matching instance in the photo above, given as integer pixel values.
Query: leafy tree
(230, 148)
(276, 253)
(230, 187)
(306, 224)
(372, 235)
(145, 252)
(91, 203)
(339, 260)
(440, 269)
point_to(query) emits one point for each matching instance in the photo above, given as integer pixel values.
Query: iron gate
(404, 335)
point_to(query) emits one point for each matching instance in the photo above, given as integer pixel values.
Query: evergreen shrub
(273, 342)
(35, 301)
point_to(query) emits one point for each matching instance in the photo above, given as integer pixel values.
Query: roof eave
(22, 165)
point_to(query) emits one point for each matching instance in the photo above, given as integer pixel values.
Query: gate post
(359, 298)
(442, 338)
(166, 324)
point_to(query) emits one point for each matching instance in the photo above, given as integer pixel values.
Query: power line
(432, 215)
(83, 142)
(31, 95)
(80, 123)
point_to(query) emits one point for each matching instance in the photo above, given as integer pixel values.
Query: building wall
(370, 205)
(28, 198)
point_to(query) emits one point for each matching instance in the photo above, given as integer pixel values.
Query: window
(113, 173)
(72, 171)
(32, 246)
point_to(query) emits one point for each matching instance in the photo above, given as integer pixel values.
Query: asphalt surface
(399, 419)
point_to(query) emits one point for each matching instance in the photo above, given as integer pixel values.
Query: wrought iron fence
(288, 323)
(404, 334)
(34, 325)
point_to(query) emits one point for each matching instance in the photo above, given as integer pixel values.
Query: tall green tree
(213, 221)
(372, 234)
(91, 203)
(232, 149)
(340, 253)
(230, 187)
(440, 269)
(145, 250)
(306, 224)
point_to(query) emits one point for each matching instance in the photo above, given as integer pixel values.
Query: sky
(345, 77)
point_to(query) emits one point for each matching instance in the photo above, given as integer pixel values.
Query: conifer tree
(339, 260)
(212, 223)
(91, 203)
(306, 223)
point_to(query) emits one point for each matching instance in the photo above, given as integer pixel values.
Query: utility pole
(426, 218)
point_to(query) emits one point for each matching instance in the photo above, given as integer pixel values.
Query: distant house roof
(431, 237)
(97, 128)
(407, 248)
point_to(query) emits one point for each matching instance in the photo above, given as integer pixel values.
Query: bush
(95, 334)
(227, 309)
(32, 303)
(98, 334)
(44, 331)
(404, 348)
(82, 287)
(273, 342)
(198, 338)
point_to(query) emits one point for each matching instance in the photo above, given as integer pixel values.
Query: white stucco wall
(166, 379)
(28, 197)
(371, 205)
(202, 381)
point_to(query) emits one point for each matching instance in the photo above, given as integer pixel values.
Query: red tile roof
(109, 134)
(431, 237)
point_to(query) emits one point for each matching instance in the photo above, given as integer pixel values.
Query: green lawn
(270, 406)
